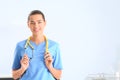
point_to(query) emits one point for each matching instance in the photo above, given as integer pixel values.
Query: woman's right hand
(24, 62)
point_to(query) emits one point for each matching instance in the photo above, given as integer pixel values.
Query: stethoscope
(29, 44)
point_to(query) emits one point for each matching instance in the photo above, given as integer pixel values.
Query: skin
(36, 25)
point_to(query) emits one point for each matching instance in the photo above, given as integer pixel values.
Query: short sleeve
(57, 63)
(17, 58)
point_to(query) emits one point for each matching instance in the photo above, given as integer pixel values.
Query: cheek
(42, 26)
(30, 27)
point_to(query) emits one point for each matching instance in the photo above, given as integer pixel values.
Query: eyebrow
(37, 20)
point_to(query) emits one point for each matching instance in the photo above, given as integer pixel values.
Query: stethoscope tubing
(29, 44)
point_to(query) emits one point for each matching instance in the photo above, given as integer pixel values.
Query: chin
(37, 33)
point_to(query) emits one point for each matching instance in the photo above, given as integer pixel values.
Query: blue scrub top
(37, 69)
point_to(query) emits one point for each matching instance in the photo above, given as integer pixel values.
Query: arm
(48, 61)
(55, 72)
(24, 65)
(17, 73)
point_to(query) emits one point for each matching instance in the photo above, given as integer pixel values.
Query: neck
(37, 39)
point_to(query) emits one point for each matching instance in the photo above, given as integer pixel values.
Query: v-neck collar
(37, 45)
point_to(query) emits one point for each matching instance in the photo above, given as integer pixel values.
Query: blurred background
(88, 32)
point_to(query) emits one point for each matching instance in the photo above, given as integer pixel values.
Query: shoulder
(54, 47)
(21, 44)
(52, 43)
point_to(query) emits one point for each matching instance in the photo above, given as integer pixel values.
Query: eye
(32, 23)
(39, 22)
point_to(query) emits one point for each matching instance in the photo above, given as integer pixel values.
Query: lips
(35, 30)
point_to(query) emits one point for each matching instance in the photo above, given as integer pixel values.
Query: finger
(25, 56)
(25, 59)
(47, 55)
(49, 59)
(25, 62)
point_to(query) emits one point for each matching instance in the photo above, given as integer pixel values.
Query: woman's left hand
(48, 60)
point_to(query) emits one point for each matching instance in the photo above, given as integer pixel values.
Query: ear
(28, 23)
(45, 23)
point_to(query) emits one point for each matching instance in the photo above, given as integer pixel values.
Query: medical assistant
(37, 69)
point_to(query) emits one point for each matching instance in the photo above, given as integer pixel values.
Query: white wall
(88, 32)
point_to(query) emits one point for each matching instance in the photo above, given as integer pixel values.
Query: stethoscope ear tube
(28, 44)
(46, 49)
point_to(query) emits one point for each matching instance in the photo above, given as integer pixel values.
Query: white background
(88, 32)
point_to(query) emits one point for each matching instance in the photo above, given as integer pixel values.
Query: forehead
(36, 17)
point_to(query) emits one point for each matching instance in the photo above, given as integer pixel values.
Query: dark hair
(36, 12)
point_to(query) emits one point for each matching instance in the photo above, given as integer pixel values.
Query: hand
(48, 60)
(24, 62)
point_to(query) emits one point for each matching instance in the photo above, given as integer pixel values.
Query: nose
(36, 24)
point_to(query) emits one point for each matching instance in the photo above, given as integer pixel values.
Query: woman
(32, 60)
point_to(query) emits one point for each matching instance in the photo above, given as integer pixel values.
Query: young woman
(37, 58)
